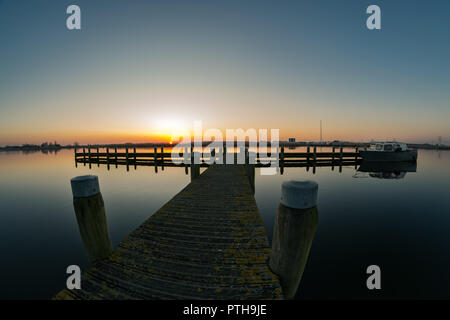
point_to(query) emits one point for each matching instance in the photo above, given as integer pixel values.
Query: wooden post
(340, 159)
(115, 157)
(247, 160)
(84, 156)
(282, 160)
(75, 155)
(89, 156)
(332, 159)
(307, 153)
(224, 154)
(162, 157)
(195, 168)
(356, 158)
(98, 157)
(90, 212)
(155, 151)
(251, 176)
(126, 155)
(135, 160)
(107, 157)
(294, 228)
(185, 159)
(239, 157)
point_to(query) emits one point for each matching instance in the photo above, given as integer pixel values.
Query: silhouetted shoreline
(50, 148)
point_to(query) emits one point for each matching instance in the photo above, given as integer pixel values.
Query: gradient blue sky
(139, 67)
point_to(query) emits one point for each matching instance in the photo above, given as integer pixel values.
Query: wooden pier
(131, 157)
(208, 242)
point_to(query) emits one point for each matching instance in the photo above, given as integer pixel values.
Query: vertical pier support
(75, 155)
(314, 159)
(332, 158)
(186, 159)
(91, 217)
(282, 160)
(107, 157)
(162, 157)
(135, 160)
(250, 169)
(195, 168)
(307, 153)
(224, 154)
(295, 225)
(115, 152)
(89, 156)
(126, 158)
(155, 159)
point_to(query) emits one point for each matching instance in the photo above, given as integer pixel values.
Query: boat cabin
(388, 146)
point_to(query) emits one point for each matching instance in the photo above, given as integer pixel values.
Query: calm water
(402, 225)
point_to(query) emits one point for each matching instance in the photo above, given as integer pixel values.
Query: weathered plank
(208, 242)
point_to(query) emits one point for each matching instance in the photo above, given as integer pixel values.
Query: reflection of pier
(130, 157)
(388, 170)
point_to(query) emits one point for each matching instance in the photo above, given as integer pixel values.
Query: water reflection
(36, 215)
(386, 170)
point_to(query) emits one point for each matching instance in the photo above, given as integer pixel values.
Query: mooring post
(295, 225)
(251, 176)
(195, 168)
(126, 159)
(340, 158)
(162, 157)
(84, 156)
(282, 160)
(224, 154)
(332, 158)
(91, 217)
(135, 159)
(186, 160)
(247, 160)
(314, 159)
(307, 153)
(75, 155)
(250, 169)
(98, 157)
(89, 156)
(107, 157)
(356, 157)
(241, 155)
(115, 157)
(155, 157)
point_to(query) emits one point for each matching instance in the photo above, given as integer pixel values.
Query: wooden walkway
(208, 242)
